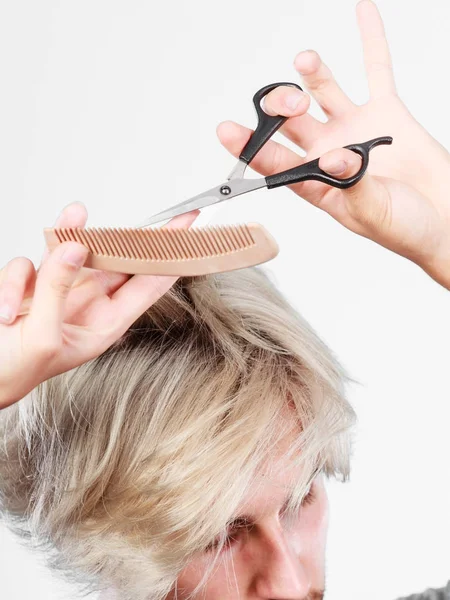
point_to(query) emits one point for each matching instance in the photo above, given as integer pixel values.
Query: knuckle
(319, 84)
(374, 216)
(276, 159)
(377, 67)
(49, 351)
(60, 286)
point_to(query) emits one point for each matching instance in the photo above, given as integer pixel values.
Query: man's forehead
(279, 473)
(270, 489)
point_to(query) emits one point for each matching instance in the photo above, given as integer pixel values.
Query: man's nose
(281, 574)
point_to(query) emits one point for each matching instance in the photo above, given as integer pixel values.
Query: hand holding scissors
(235, 185)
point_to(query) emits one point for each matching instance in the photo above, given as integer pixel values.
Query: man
(219, 411)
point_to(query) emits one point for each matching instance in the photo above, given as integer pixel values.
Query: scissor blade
(212, 196)
(206, 199)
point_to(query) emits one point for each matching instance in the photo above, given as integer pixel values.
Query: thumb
(366, 202)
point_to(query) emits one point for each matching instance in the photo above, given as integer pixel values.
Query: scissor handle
(267, 124)
(311, 170)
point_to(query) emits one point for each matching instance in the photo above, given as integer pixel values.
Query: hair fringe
(123, 468)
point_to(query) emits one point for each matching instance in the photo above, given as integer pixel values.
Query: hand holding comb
(180, 252)
(167, 251)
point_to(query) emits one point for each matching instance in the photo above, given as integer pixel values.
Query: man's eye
(291, 517)
(233, 533)
(229, 540)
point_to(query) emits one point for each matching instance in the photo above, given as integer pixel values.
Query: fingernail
(336, 168)
(5, 313)
(293, 100)
(74, 255)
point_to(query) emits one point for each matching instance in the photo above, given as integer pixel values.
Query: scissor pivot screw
(225, 190)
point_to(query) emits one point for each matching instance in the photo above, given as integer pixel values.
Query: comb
(165, 251)
(170, 251)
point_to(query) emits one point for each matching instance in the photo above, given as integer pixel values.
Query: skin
(402, 202)
(76, 313)
(271, 555)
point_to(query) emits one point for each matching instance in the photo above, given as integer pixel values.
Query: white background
(115, 103)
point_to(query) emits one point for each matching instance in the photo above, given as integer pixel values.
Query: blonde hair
(126, 466)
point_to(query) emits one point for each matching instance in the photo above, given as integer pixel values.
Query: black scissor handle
(267, 124)
(311, 170)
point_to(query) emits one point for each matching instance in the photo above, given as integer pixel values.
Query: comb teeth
(160, 244)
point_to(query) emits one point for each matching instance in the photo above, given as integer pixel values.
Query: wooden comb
(166, 251)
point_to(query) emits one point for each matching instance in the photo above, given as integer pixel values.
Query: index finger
(287, 101)
(72, 215)
(301, 128)
(377, 57)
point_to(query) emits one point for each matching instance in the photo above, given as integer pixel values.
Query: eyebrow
(248, 521)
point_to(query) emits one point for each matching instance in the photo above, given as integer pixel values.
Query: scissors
(235, 185)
